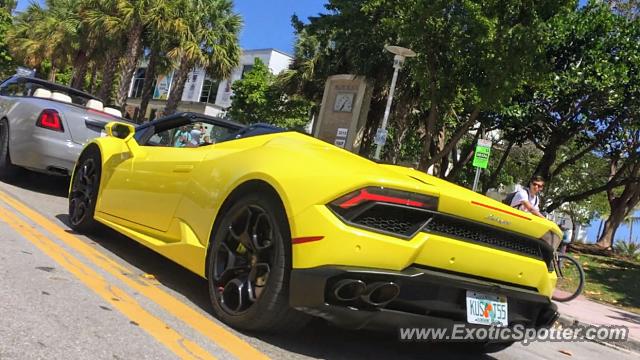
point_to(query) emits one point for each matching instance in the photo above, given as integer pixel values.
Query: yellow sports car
(285, 226)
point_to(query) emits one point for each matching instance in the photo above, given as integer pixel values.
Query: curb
(630, 344)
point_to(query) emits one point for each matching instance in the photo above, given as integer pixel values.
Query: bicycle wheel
(570, 279)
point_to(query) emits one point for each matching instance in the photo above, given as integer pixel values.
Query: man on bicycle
(527, 199)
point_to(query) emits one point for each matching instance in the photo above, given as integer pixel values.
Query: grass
(610, 280)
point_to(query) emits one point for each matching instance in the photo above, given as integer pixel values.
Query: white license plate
(486, 309)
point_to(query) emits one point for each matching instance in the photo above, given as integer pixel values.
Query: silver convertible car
(43, 125)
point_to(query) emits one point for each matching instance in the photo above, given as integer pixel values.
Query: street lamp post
(400, 54)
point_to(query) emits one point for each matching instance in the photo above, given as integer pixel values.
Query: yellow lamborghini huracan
(285, 226)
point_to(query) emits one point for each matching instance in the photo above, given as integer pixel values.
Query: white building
(201, 93)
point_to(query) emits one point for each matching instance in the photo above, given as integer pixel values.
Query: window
(209, 91)
(138, 82)
(185, 133)
(246, 69)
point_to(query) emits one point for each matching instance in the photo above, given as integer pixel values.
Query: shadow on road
(318, 339)
(45, 184)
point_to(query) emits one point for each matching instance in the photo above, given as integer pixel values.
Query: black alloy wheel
(249, 267)
(243, 259)
(84, 192)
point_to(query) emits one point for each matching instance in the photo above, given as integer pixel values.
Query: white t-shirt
(523, 194)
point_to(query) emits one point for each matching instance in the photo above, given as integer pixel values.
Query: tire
(84, 191)
(248, 285)
(564, 262)
(8, 171)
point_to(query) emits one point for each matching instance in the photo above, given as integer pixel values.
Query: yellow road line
(191, 317)
(115, 296)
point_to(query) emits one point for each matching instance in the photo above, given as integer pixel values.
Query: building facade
(201, 93)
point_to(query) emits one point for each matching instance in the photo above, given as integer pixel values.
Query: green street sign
(481, 155)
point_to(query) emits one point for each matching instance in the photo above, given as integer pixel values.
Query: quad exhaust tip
(377, 294)
(349, 289)
(381, 293)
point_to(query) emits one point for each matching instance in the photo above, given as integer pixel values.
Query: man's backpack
(509, 198)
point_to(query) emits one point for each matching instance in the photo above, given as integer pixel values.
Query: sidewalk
(588, 312)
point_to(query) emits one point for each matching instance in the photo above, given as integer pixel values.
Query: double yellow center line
(119, 299)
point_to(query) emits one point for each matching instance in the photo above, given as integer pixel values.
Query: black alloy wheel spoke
(243, 259)
(261, 233)
(239, 228)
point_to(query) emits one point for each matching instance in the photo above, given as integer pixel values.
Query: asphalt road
(68, 296)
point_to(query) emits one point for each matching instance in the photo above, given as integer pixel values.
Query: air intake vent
(465, 230)
(397, 220)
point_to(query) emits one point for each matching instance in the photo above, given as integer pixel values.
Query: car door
(151, 183)
(158, 181)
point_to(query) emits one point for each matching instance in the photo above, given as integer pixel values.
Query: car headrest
(61, 97)
(112, 111)
(42, 93)
(95, 104)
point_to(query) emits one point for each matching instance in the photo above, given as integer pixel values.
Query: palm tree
(210, 41)
(163, 32)
(44, 33)
(123, 18)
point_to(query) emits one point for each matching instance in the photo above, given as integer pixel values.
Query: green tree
(577, 98)
(42, 34)
(6, 60)
(472, 56)
(251, 101)
(259, 97)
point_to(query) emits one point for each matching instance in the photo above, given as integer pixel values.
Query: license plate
(486, 309)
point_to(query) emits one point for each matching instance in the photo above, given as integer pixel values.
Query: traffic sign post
(481, 159)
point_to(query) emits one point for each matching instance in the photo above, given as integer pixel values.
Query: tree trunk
(549, 157)
(108, 76)
(177, 87)
(440, 169)
(80, 66)
(373, 120)
(396, 148)
(621, 206)
(147, 86)
(463, 129)
(128, 64)
(574, 229)
(52, 74)
(610, 228)
(464, 160)
(92, 80)
(430, 128)
(600, 229)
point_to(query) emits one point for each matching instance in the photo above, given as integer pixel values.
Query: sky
(267, 24)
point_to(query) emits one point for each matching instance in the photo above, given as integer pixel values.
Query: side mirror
(125, 132)
(120, 130)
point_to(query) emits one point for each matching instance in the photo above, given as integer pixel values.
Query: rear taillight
(384, 195)
(390, 211)
(50, 119)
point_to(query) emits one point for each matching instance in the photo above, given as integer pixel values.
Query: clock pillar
(343, 113)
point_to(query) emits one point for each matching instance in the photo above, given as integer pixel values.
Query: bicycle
(570, 277)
